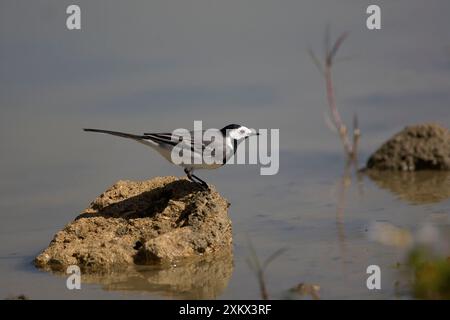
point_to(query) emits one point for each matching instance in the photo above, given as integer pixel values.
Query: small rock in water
(18, 297)
(158, 221)
(418, 147)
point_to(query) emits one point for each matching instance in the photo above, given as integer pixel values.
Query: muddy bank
(418, 147)
(159, 221)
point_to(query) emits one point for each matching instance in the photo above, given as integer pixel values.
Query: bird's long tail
(117, 133)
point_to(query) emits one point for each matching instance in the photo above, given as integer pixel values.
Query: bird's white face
(241, 133)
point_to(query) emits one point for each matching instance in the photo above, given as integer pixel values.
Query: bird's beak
(251, 134)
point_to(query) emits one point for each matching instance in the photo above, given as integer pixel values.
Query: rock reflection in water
(204, 278)
(419, 187)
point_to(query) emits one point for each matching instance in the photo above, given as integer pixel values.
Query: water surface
(159, 65)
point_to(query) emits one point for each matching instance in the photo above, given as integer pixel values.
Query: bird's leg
(203, 183)
(191, 177)
(188, 173)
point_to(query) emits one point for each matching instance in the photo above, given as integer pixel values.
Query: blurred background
(141, 66)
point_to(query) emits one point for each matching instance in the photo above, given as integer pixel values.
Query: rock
(158, 221)
(306, 289)
(18, 297)
(419, 147)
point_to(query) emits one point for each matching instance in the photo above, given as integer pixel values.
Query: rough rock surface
(419, 147)
(158, 221)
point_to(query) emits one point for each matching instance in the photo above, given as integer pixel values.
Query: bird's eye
(242, 131)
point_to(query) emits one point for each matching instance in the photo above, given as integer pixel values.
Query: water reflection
(420, 187)
(350, 173)
(205, 278)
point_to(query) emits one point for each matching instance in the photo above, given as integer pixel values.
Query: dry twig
(325, 68)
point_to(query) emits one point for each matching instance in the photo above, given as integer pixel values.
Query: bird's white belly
(195, 163)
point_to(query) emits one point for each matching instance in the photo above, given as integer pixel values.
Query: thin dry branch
(350, 147)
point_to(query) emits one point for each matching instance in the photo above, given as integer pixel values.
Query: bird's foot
(202, 185)
(205, 186)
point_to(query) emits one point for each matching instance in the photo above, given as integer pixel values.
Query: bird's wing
(161, 138)
(187, 141)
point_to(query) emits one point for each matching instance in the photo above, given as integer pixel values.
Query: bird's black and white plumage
(223, 148)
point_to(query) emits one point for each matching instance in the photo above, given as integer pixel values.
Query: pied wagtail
(165, 143)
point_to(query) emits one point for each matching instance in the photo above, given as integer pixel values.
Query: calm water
(158, 65)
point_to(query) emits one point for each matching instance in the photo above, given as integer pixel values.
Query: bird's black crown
(229, 127)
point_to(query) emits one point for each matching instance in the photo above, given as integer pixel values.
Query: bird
(165, 142)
